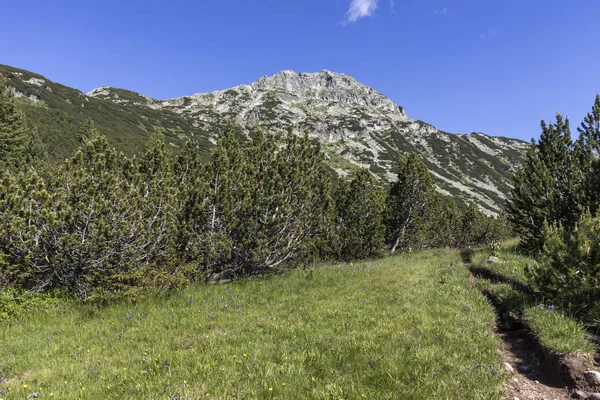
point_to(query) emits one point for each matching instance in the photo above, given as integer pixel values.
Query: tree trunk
(396, 243)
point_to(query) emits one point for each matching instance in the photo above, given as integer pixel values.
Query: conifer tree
(212, 195)
(360, 205)
(16, 140)
(548, 187)
(588, 156)
(155, 188)
(27, 220)
(286, 202)
(444, 222)
(97, 242)
(409, 200)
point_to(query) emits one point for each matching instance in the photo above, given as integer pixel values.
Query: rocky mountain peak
(325, 86)
(358, 126)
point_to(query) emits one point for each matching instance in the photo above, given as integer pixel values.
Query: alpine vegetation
(554, 208)
(101, 224)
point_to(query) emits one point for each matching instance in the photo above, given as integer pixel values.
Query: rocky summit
(357, 125)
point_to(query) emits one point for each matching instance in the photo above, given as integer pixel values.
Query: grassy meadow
(404, 327)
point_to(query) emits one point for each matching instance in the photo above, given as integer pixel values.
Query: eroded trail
(530, 380)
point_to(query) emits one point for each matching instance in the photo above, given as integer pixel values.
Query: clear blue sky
(461, 65)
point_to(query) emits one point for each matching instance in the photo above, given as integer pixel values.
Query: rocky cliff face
(358, 126)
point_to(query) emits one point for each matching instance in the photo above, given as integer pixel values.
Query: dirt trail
(530, 380)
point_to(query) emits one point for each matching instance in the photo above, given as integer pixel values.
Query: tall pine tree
(13, 128)
(409, 201)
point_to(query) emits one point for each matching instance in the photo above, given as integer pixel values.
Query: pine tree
(409, 200)
(211, 198)
(443, 222)
(13, 128)
(588, 156)
(474, 227)
(97, 241)
(286, 203)
(548, 187)
(360, 208)
(155, 188)
(27, 219)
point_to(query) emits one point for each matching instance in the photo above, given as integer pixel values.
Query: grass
(515, 292)
(408, 327)
(558, 332)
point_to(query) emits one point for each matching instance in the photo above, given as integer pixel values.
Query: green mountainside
(358, 126)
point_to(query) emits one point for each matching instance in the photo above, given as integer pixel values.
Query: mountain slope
(358, 126)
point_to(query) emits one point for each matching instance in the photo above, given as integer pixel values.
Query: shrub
(569, 265)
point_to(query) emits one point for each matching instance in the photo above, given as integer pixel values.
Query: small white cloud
(491, 32)
(392, 6)
(442, 11)
(360, 9)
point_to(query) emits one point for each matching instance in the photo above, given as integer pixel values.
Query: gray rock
(594, 396)
(578, 394)
(508, 368)
(592, 378)
(347, 115)
(494, 260)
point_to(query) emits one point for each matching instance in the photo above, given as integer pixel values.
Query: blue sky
(461, 65)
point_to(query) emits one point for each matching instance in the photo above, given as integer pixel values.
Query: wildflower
(283, 384)
(25, 386)
(270, 389)
(144, 372)
(83, 388)
(245, 355)
(51, 393)
(363, 395)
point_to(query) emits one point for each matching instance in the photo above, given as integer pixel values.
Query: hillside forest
(101, 225)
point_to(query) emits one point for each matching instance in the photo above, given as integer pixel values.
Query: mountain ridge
(357, 125)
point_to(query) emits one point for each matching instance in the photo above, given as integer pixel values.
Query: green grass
(555, 330)
(407, 327)
(558, 332)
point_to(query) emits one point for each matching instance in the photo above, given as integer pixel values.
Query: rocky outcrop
(358, 126)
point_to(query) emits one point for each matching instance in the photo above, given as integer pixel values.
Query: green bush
(15, 302)
(568, 270)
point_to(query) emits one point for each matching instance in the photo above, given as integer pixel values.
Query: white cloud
(491, 32)
(442, 11)
(360, 9)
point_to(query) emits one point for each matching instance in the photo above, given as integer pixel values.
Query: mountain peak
(292, 81)
(358, 126)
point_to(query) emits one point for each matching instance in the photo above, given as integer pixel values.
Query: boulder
(592, 378)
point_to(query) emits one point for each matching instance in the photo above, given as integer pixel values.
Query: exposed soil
(538, 373)
(530, 380)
